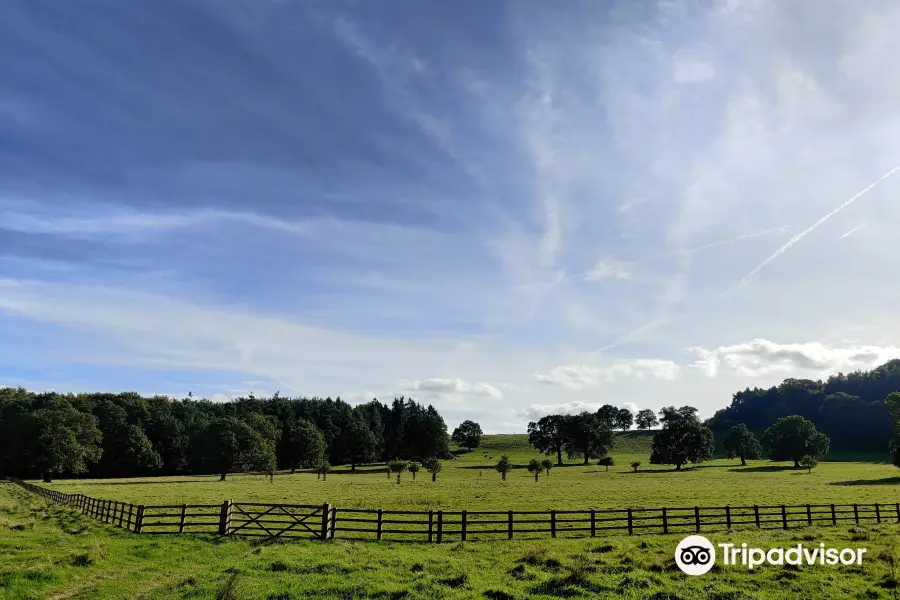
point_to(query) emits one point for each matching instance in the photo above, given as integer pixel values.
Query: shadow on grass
(766, 469)
(884, 481)
(491, 467)
(211, 479)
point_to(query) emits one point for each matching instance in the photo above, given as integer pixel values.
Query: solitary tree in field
(228, 444)
(646, 419)
(322, 469)
(468, 434)
(741, 443)
(635, 465)
(535, 468)
(606, 461)
(433, 466)
(547, 464)
(414, 468)
(303, 445)
(793, 437)
(503, 467)
(586, 436)
(67, 441)
(682, 439)
(624, 419)
(548, 435)
(809, 462)
(398, 466)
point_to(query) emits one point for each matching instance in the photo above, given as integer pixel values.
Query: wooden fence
(323, 521)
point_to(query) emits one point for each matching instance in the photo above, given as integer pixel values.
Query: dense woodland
(848, 408)
(126, 435)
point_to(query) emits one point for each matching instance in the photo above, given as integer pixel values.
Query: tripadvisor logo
(696, 555)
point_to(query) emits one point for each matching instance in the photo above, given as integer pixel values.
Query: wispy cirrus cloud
(332, 203)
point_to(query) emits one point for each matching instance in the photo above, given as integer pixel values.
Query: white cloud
(609, 268)
(760, 357)
(536, 411)
(579, 376)
(438, 386)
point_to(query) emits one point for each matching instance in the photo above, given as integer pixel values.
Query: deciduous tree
(468, 435)
(741, 443)
(646, 419)
(548, 435)
(792, 437)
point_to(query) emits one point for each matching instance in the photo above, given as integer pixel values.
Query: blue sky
(505, 209)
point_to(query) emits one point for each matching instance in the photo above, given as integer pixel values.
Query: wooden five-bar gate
(323, 521)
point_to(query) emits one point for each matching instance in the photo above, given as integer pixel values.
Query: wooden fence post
(756, 515)
(378, 530)
(225, 518)
(665, 521)
(509, 525)
(834, 515)
(809, 515)
(333, 522)
(898, 512)
(877, 513)
(139, 520)
(593, 523)
(130, 524)
(630, 522)
(183, 515)
(728, 517)
(784, 516)
(856, 513)
(697, 518)
(430, 526)
(440, 526)
(552, 523)
(463, 519)
(326, 512)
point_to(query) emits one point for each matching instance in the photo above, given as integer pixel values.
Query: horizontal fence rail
(323, 521)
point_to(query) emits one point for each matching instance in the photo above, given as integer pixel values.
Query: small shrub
(535, 468)
(547, 464)
(503, 467)
(635, 465)
(809, 462)
(606, 461)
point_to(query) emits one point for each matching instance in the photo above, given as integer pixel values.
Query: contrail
(810, 229)
(736, 239)
(852, 231)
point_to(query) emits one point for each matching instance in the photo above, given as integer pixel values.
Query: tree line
(683, 439)
(127, 435)
(849, 408)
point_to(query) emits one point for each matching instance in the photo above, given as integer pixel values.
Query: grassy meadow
(471, 483)
(51, 552)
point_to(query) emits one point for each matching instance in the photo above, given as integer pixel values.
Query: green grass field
(47, 551)
(50, 552)
(471, 483)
